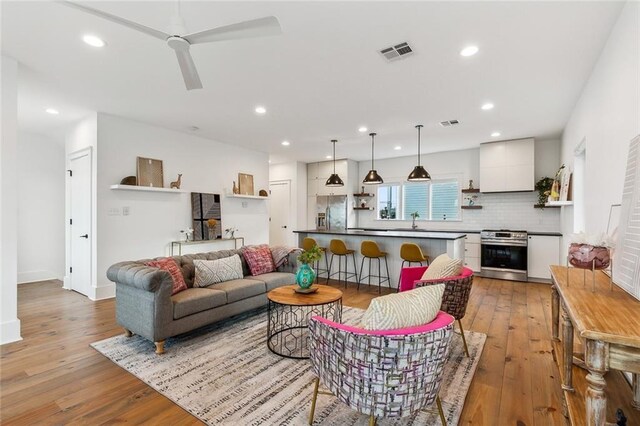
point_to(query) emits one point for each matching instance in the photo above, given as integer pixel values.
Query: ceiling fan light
(373, 178)
(334, 180)
(419, 174)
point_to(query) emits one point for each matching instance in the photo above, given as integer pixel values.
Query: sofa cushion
(276, 279)
(194, 300)
(216, 271)
(259, 259)
(188, 269)
(168, 264)
(240, 289)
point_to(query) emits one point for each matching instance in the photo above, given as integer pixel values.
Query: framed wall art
(205, 210)
(149, 172)
(245, 182)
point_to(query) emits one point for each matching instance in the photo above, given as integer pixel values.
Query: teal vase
(305, 276)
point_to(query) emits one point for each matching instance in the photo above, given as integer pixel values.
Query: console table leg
(596, 355)
(555, 311)
(636, 391)
(567, 355)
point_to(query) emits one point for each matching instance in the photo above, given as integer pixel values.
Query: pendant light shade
(419, 174)
(334, 179)
(372, 178)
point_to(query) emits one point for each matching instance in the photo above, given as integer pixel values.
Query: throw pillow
(168, 264)
(259, 259)
(406, 309)
(216, 271)
(443, 266)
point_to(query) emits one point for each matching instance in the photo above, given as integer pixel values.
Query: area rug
(224, 374)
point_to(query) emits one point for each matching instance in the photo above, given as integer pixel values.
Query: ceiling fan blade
(254, 28)
(118, 20)
(188, 68)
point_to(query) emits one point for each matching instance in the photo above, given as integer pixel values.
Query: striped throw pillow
(443, 266)
(406, 309)
(216, 271)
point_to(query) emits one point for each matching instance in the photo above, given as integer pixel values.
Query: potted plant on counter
(306, 275)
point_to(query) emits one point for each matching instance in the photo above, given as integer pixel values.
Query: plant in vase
(306, 275)
(543, 186)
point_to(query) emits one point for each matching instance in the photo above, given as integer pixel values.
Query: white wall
(156, 219)
(505, 210)
(41, 208)
(9, 322)
(296, 173)
(606, 117)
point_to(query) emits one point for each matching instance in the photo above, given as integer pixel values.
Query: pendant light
(419, 173)
(372, 178)
(334, 179)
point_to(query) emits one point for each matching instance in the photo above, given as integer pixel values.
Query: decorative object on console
(213, 231)
(149, 172)
(204, 207)
(245, 182)
(419, 173)
(188, 234)
(306, 275)
(176, 184)
(129, 180)
(230, 232)
(263, 193)
(334, 179)
(372, 178)
(590, 252)
(235, 189)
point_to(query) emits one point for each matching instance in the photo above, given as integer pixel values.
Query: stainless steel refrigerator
(331, 212)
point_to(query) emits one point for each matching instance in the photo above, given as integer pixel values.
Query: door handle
(285, 226)
(84, 236)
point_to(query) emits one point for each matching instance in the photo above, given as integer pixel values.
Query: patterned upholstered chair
(456, 292)
(389, 373)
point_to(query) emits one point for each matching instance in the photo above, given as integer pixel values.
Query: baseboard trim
(10, 332)
(34, 276)
(103, 292)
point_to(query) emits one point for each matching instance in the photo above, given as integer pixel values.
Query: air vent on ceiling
(396, 52)
(449, 123)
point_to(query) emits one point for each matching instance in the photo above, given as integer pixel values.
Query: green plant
(415, 215)
(543, 186)
(309, 256)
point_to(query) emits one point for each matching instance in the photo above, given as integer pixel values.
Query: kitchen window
(434, 200)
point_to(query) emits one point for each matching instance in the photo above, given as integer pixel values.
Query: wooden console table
(607, 322)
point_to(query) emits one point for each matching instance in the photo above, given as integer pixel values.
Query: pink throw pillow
(259, 259)
(168, 264)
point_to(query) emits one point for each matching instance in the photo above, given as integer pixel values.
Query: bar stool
(370, 250)
(307, 244)
(338, 248)
(411, 253)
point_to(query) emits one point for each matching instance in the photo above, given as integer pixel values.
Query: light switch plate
(125, 211)
(113, 211)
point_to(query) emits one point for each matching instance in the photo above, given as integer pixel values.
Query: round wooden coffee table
(289, 314)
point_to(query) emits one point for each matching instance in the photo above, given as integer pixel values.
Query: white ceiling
(323, 78)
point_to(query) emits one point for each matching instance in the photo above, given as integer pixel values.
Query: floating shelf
(471, 191)
(363, 208)
(251, 197)
(471, 207)
(120, 187)
(364, 194)
(544, 206)
(559, 203)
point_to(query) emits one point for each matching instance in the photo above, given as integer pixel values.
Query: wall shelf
(251, 197)
(559, 203)
(364, 194)
(544, 206)
(471, 191)
(363, 208)
(120, 187)
(471, 207)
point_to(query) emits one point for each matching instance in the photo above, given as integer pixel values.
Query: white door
(80, 222)
(280, 232)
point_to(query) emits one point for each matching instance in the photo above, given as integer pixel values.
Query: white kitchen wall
(296, 173)
(502, 211)
(155, 219)
(606, 118)
(41, 208)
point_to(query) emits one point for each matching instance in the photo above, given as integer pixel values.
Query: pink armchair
(390, 373)
(456, 292)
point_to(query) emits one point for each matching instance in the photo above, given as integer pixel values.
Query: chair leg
(326, 264)
(355, 268)
(386, 265)
(361, 266)
(313, 400)
(372, 420)
(464, 341)
(379, 277)
(369, 276)
(329, 271)
(442, 418)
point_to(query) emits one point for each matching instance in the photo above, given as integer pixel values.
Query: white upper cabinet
(318, 173)
(507, 166)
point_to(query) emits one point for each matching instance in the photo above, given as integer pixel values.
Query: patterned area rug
(224, 374)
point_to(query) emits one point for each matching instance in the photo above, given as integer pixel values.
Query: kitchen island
(389, 241)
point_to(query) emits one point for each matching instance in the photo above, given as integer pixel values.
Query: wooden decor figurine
(236, 190)
(177, 183)
(129, 180)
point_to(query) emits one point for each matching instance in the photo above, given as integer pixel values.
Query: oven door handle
(503, 243)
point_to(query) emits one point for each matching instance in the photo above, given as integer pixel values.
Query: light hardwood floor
(54, 377)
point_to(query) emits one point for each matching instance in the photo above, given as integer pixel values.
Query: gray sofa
(145, 306)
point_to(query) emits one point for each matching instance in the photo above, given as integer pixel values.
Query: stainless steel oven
(503, 254)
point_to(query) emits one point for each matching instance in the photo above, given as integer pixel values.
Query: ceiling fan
(180, 42)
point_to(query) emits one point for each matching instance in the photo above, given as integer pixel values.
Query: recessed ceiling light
(261, 110)
(52, 111)
(469, 51)
(92, 40)
(362, 129)
(495, 134)
(397, 148)
(328, 157)
(487, 106)
(285, 143)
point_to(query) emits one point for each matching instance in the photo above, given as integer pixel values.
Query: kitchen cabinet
(318, 173)
(542, 251)
(472, 252)
(507, 166)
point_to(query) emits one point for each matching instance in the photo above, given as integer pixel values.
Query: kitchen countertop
(549, 234)
(459, 231)
(383, 232)
(391, 233)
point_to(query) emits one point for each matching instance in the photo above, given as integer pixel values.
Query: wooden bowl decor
(263, 193)
(586, 256)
